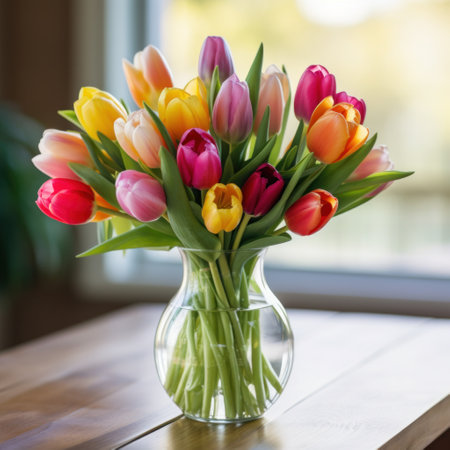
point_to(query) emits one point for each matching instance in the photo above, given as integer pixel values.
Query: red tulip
(315, 84)
(261, 190)
(360, 105)
(311, 212)
(198, 159)
(65, 200)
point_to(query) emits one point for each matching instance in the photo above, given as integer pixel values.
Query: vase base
(215, 421)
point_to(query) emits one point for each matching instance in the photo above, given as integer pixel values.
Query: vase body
(224, 346)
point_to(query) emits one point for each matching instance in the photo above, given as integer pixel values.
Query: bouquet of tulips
(205, 167)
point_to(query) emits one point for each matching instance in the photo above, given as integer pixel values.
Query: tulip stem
(113, 212)
(240, 233)
(280, 230)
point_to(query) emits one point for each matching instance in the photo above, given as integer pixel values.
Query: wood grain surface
(359, 381)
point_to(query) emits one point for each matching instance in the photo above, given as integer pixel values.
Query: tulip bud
(261, 190)
(360, 105)
(97, 110)
(140, 195)
(58, 148)
(65, 200)
(311, 212)
(198, 159)
(335, 132)
(315, 84)
(273, 92)
(182, 109)
(215, 52)
(222, 208)
(376, 161)
(140, 137)
(232, 112)
(147, 76)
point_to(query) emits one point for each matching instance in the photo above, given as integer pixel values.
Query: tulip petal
(325, 105)
(327, 138)
(358, 135)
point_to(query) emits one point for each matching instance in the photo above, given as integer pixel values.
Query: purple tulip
(198, 159)
(261, 190)
(232, 113)
(140, 195)
(315, 84)
(360, 105)
(215, 52)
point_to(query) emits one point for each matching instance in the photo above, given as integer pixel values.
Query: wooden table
(359, 381)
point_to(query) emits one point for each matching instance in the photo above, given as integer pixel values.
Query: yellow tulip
(97, 110)
(222, 209)
(182, 109)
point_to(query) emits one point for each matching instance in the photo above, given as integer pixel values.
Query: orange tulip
(147, 76)
(335, 131)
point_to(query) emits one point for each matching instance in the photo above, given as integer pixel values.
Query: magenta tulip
(311, 212)
(315, 84)
(232, 112)
(68, 201)
(215, 52)
(140, 195)
(360, 105)
(376, 161)
(261, 190)
(198, 159)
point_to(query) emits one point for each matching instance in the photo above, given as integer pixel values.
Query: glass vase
(224, 346)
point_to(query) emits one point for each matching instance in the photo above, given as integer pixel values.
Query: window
(395, 56)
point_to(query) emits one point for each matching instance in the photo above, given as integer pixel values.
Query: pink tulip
(198, 159)
(65, 200)
(315, 84)
(311, 212)
(261, 190)
(215, 52)
(376, 161)
(140, 137)
(232, 112)
(360, 105)
(140, 195)
(273, 92)
(59, 148)
(147, 76)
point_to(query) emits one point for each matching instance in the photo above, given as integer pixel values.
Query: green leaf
(187, 228)
(262, 225)
(214, 89)
(121, 225)
(352, 205)
(373, 181)
(161, 225)
(112, 148)
(197, 210)
(128, 161)
(254, 78)
(139, 237)
(305, 184)
(162, 129)
(335, 174)
(263, 132)
(104, 187)
(70, 115)
(94, 152)
(244, 252)
(240, 177)
(124, 104)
